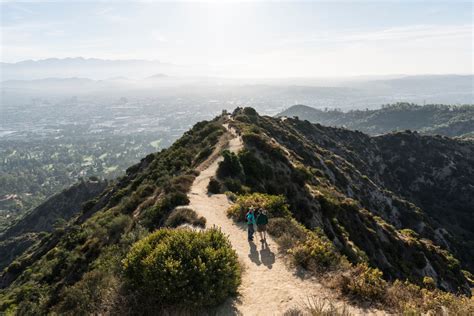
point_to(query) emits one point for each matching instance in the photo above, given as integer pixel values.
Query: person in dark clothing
(262, 221)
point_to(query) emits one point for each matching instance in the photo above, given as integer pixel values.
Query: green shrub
(214, 186)
(156, 214)
(258, 141)
(329, 205)
(183, 267)
(118, 195)
(301, 174)
(203, 154)
(182, 216)
(118, 225)
(249, 111)
(85, 297)
(14, 267)
(88, 205)
(252, 166)
(231, 196)
(411, 299)
(233, 185)
(429, 283)
(181, 183)
(279, 226)
(315, 254)
(365, 283)
(275, 205)
(230, 166)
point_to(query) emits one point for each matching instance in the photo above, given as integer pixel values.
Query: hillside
(375, 187)
(340, 202)
(429, 119)
(55, 211)
(88, 251)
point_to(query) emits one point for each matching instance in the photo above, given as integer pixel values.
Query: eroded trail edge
(268, 286)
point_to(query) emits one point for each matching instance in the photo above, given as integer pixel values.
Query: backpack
(262, 219)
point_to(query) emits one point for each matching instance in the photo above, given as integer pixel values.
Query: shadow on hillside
(229, 307)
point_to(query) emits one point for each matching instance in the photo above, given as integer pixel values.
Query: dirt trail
(268, 286)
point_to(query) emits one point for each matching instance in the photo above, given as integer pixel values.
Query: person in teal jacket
(250, 217)
(262, 221)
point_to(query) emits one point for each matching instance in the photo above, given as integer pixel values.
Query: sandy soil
(269, 286)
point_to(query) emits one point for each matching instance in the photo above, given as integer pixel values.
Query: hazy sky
(261, 39)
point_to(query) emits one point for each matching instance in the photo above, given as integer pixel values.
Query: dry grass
(314, 306)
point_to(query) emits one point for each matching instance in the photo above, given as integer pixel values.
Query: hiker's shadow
(253, 255)
(266, 255)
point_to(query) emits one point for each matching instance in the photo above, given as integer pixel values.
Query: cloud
(158, 36)
(414, 32)
(110, 14)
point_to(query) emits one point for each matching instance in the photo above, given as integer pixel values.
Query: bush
(118, 225)
(231, 196)
(301, 174)
(155, 215)
(88, 205)
(410, 299)
(365, 283)
(280, 226)
(257, 141)
(252, 166)
(183, 267)
(85, 296)
(249, 111)
(182, 216)
(288, 232)
(315, 254)
(230, 166)
(275, 205)
(429, 283)
(233, 185)
(203, 154)
(214, 186)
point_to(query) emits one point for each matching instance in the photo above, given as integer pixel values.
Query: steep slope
(61, 207)
(433, 173)
(430, 119)
(324, 174)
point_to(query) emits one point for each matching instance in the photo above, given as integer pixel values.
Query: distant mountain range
(83, 67)
(78, 76)
(429, 119)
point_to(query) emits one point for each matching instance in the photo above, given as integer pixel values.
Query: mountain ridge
(321, 172)
(430, 119)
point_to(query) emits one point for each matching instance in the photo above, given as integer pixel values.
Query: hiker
(250, 217)
(262, 221)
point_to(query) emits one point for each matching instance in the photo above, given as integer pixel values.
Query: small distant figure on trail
(250, 217)
(262, 221)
